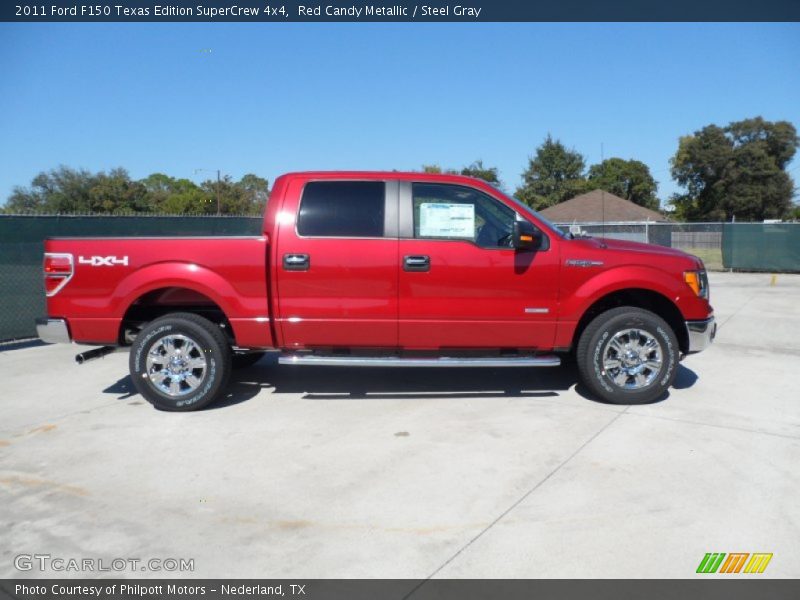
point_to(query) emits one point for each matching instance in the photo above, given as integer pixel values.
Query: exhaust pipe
(95, 353)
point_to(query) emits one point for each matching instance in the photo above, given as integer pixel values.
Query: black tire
(208, 347)
(634, 331)
(246, 359)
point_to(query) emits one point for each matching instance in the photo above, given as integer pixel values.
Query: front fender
(620, 278)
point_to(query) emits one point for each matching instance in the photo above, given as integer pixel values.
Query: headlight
(698, 281)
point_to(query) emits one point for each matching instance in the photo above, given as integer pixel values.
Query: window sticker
(437, 219)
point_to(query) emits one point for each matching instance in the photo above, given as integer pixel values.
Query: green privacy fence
(761, 246)
(22, 245)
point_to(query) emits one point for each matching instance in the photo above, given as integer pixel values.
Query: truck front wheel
(180, 362)
(628, 355)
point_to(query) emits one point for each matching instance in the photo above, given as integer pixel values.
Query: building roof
(596, 206)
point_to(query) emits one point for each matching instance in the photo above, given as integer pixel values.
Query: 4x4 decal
(103, 261)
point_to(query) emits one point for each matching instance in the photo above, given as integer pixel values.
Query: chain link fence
(745, 246)
(22, 245)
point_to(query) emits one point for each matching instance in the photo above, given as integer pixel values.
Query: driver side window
(454, 212)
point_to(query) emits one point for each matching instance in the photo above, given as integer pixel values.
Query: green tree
(60, 190)
(66, 190)
(246, 196)
(479, 171)
(159, 187)
(168, 195)
(554, 175)
(436, 169)
(114, 192)
(256, 191)
(186, 197)
(735, 171)
(629, 179)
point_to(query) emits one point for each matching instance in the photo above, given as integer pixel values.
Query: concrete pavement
(324, 472)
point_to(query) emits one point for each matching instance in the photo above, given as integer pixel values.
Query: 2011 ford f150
(380, 269)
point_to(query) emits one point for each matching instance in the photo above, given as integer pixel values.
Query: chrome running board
(399, 361)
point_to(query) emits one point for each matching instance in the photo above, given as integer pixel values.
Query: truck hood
(627, 246)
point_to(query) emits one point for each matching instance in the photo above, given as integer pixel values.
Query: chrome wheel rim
(176, 365)
(632, 359)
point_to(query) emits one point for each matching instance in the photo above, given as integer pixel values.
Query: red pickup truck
(380, 269)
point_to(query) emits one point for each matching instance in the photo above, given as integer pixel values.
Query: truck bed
(112, 274)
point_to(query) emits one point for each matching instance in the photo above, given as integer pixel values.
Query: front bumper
(701, 334)
(52, 331)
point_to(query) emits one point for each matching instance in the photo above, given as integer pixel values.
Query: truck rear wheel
(180, 362)
(628, 355)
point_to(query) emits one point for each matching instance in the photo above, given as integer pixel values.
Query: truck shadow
(20, 344)
(354, 383)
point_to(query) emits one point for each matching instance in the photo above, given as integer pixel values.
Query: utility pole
(603, 193)
(218, 184)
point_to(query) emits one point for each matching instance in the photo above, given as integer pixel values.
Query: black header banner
(712, 588)
(280, 11)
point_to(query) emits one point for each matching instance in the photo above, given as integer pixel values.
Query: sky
(270, 98)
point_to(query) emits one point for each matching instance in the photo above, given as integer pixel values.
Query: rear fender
(177, 274)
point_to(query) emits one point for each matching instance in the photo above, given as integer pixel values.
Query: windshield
(546, 222)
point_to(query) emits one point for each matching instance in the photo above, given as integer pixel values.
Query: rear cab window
(350, 209)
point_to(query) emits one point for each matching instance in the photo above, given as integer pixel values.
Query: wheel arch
(164, 300)
(166, 287)
(644, 298)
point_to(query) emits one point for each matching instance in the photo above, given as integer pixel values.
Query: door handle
(296, 262)
(417, 263)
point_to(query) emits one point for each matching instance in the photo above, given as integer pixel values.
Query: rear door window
(342, 209)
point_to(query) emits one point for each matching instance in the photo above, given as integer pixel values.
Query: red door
(461, 285)
(337, 265)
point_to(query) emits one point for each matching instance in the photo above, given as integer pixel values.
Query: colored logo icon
(736, 562)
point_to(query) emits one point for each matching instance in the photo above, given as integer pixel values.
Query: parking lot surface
(415, 473)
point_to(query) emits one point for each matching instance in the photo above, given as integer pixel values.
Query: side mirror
(525, 236)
